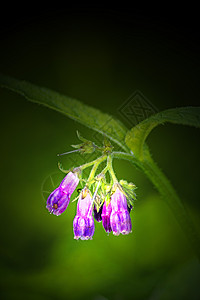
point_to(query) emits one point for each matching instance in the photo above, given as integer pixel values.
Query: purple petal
(83, 228)
(97, 215)
(126, 225)
(69, 183)
(115, 223)
(120, 222)
(89, 230)
(85, 203)
(106, 212)
(79, 227)
(106, 224)
(118, 200)
(57, 202)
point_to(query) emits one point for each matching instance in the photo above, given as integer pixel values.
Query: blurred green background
(100, 57)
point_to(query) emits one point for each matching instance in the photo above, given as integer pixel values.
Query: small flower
(120, 219)
(97, 215)
(58, 200)
(83, 222)
(106, 212)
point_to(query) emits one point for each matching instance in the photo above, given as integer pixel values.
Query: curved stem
(127, 156)
(104, 171)
(169, 195)
(110, 169)
(91, 163)
(93, 197)
(96, 163)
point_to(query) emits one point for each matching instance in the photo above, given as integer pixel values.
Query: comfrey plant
(111, 202)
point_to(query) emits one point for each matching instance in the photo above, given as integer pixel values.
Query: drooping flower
(106, 212)
(98, 215)
(83, 223)
(58, 200)
(120, 219)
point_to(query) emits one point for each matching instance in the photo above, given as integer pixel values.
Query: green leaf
(74, 109)
(136, 137)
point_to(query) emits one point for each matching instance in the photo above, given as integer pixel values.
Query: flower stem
(103, 172)
(96, 164)
(91, 163)
(169, 195)
(94, 196)
(110, 169)
(127, 156)
(171, 198)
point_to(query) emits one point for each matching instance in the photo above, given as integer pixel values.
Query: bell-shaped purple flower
(58, 200)
(106, 212)
(83, 223)
(120, 219)
(97, 215)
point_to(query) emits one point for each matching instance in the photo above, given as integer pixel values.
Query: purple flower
(58, 200)
(120, 219)
(106, 212)
(97, 215)
(83, 222)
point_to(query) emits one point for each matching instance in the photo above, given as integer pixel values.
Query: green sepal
(128, 190)
(107, 146)
(60, 167)
(86, 147)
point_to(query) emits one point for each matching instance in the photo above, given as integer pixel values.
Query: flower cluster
(106, 202)
(114, 212)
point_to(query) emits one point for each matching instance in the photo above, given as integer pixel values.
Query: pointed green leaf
(74, 109)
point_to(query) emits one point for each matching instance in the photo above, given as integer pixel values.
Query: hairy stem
(96, 164)
(170, 196)
(91, 163)
(110, 169)
(127, 156)
(168, 193)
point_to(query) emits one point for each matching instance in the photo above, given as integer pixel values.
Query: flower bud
(58, 200)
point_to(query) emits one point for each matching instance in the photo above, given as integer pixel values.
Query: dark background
(101, 56)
